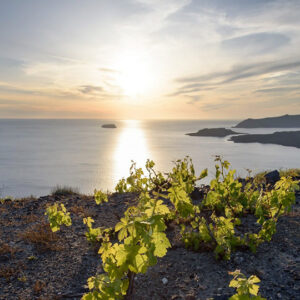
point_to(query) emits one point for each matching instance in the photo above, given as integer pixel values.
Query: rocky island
(213, 132)
(109, 126)
(284, 138)
(286, 121)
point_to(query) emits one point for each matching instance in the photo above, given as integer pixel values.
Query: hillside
(286, 121)
(284, 138)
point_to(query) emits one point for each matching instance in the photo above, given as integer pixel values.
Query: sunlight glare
(135, 75)
(131, 145)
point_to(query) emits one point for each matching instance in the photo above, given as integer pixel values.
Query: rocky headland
(213, 132)
(286, 121)
(283, 138)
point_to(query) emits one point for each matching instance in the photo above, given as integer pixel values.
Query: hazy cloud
(193, 99)
(241, 72)
(263, 75)
(90, 89)
(199, 52)
(279, 90)
(16, 90)
(108, 70)
(255, 43)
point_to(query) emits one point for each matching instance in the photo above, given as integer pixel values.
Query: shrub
(60, 191)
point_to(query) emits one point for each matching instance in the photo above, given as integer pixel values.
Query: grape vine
(139, 239)
(57, 216)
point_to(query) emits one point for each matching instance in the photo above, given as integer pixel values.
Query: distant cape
(286, 121)
(213, 132)
(283, 138)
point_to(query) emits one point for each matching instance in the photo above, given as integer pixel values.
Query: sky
(149, 59)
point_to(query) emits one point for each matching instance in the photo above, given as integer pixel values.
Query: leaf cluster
(141, 236)
(100, 197)
(227, 201)
(247, 288)
(97, 234)
(57, 216)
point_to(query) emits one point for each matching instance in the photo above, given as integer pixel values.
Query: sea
(38, 155)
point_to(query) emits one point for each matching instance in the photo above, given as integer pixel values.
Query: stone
(272, 177)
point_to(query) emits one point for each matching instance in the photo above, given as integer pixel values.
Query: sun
(135, 75)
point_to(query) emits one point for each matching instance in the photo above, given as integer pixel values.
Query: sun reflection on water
(131, 145)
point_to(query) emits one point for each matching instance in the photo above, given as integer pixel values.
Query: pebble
(164, 280)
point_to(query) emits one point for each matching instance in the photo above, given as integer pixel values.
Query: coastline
(283, 138)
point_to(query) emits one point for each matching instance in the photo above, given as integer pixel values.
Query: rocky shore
(36, 264)
(283, 138)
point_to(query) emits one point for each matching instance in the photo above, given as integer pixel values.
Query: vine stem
(129, 294)
(131, 275)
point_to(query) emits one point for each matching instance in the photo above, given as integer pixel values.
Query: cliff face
(286, 121)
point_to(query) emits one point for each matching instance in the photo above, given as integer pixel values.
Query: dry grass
(8, 272)
(20, 203)
(282, 172)
(78, 210)
(290, 172)
(30, 219)
(38, 286)
(23, 220)
(82, 211)
(52, 297)
(7, 249)
(42, 237)
(64, 191)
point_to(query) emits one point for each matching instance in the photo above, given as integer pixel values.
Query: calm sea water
(37, 155)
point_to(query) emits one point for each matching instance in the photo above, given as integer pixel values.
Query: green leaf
(161, 243)
(100, 197)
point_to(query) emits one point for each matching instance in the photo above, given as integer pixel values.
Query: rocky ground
(36, 264)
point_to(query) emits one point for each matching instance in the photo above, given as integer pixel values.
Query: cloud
(246, 49)
(194, 99)
(192, 88)
(15, 90)
(255, 43)
(278, 90)
(250, 10)
(265, 80)
(228, 7)
(108, 70)
(241, 72)
(215, 106)
(93, 92)
(90, 89)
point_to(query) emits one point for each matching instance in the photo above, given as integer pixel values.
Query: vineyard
(160, 236)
